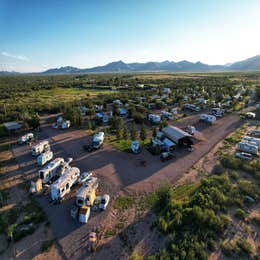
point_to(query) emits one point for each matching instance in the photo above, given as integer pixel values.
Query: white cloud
(14, 56)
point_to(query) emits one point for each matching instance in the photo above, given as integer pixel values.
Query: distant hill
(6, 73)
(252, 64)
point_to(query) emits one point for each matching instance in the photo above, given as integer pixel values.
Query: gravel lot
(118, 172)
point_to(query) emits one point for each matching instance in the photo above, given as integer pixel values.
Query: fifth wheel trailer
(63, 185)
(51, 170)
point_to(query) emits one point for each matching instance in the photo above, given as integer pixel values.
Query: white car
(84, 176)
(245, 156)
(104, 202)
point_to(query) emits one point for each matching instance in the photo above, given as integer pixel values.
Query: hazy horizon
(42, 35)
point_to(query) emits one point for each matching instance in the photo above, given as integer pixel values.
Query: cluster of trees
(196, 223)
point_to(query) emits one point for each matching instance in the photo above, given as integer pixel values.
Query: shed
(177, 135)
(12, 126)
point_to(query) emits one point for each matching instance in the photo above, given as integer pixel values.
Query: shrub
(240, 213)
(123, 203)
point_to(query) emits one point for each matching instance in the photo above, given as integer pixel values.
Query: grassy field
(52, 95)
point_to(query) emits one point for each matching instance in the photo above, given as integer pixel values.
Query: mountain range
(251, 64)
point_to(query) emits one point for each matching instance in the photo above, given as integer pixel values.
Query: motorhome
(191, 107)
(51, 170)
(87, 193)
(98, 140)
(40, 148)
(26, 138)
(44, 157)
(166, 115)
(248, 148)
(62, 186)
(207, 118)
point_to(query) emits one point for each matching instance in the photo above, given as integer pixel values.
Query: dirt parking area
(118, 172)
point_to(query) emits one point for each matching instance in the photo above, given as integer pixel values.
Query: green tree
(125, 133)
(154, 132)
(133, 131)
(143, 133)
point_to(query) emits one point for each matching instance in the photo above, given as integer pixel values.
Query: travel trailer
(252, 140)
(248, 148)
(26, 138)
(86, 194)
(207, 118)
(156, 119)
(51, 170)
(40, 148)
(44, 157)
(62, 186)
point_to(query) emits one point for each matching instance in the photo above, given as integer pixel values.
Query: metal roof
(174, 133)
(12, 125)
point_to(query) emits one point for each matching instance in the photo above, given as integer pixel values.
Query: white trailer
(44, 157)
(252, 140)
(156, 119)
(63, 185)
(40, 148)
(51, 170)
(207, 118)
(25, 138)
(87, 193)
(98, 140)
(248, 148)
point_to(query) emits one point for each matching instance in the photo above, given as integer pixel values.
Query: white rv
(51, 169)
(40, 148)
(248, 148)
(156, 119)
(98, 140)
(44, 157)
(63, 185)
(252, 140)
(25, 138)
(86, 194)
(207, 118)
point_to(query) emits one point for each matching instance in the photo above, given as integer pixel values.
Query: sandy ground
(118, 173)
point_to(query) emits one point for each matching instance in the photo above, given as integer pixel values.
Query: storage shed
(177, 135)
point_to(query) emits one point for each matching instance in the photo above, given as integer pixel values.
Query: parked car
(104, 202)
(244, 156)
(165, 156)
(84, 176)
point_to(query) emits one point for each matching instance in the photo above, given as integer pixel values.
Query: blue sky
(36, 35)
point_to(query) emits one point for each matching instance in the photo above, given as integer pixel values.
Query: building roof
(12, 125)
(174, 133)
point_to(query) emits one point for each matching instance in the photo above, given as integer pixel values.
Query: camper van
(52, 169)
(63, 185)
(40, 148)
(44, 157)
(207, 118)
(25, 138)
(86, 194)
(248, 148)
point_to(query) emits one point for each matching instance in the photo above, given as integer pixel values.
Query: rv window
(62, 190)
(41, 175)
(80, 202)
(67, 186)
